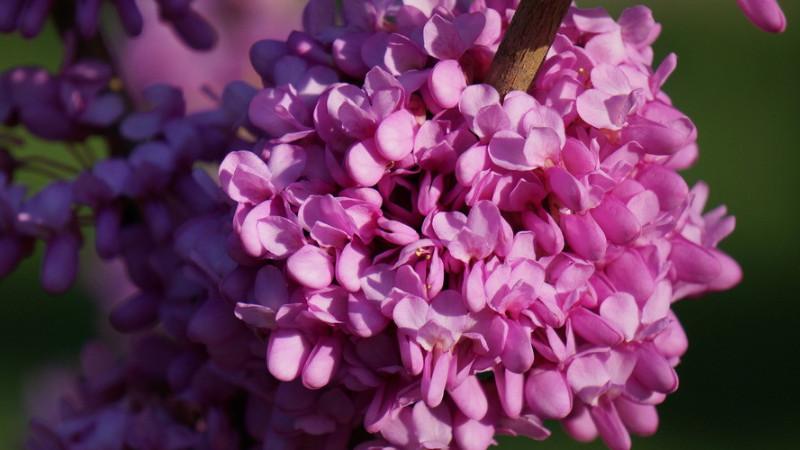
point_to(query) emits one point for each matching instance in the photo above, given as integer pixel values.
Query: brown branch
(525, 45)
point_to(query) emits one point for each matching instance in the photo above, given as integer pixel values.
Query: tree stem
(525, 45)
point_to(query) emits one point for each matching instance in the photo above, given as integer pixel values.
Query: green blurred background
(739, 379)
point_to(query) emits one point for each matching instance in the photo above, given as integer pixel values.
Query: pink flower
(765, 14)
(472, 265)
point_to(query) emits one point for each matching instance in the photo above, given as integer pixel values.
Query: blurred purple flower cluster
(29, 17)
(375, 249)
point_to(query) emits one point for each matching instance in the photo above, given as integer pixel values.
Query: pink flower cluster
(454, 264)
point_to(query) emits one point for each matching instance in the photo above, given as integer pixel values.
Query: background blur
(740, 378)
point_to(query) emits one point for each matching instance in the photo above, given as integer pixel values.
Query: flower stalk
(525, 45)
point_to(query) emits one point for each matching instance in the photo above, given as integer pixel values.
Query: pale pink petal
(475, 97)
(588, 378)
(244, 176)
(630, 274)
(352, 262)
(693, 263)
(765, 14)
(322, 362)
(287, 353)
(286, 162)
(621, 310)
(311, 266)
(446, 81)
(394, 138)
(584, 236)
(434, 426)
(638, 418)
(547, 393)
(364, 163)
(470, 398)
(653, 371)
(510, 388)
(441, 39)
(618, 223)
(594, 329)
(279, 236)
(472, 434)
(364, 318)
(610, 427)
(517, 355)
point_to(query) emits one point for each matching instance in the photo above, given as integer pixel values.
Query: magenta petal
(352, 263)
(470, 398)
(287, 353)
(506, 149)
(579, 424)
(474, 98)
(593, 108)
(668, 185)
(547, 393)
(660, 139)
(286, 162)
(322, 363)
(470, 163)
(542, 147)
(446, 81)
(441, 39)
(693, 263)
(347, 54)
(610, 427)
(569, 191)
(328, 304)
(517, 355)
(618, 223)
(588, 378)
(524, 425)
(629, 273)
(363, 318)
(434, 426)
(765, 14)
(446, 225)
(593, 328)
(510, 387)
(434, 376)
(411, 355)
(621, 310)
(245, 177)
(731, 273)
(311, 266)
(394, 138)
(490, 120)
(136, 313)
(279, 236)
(638, 418)
(255, 315)
(472, 434)
(584, 236)
(402, 55)
(470, 27)
(364, 163)
(653, 371)
(410, 314)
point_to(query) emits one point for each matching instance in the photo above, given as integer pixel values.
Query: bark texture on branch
(525, 45)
